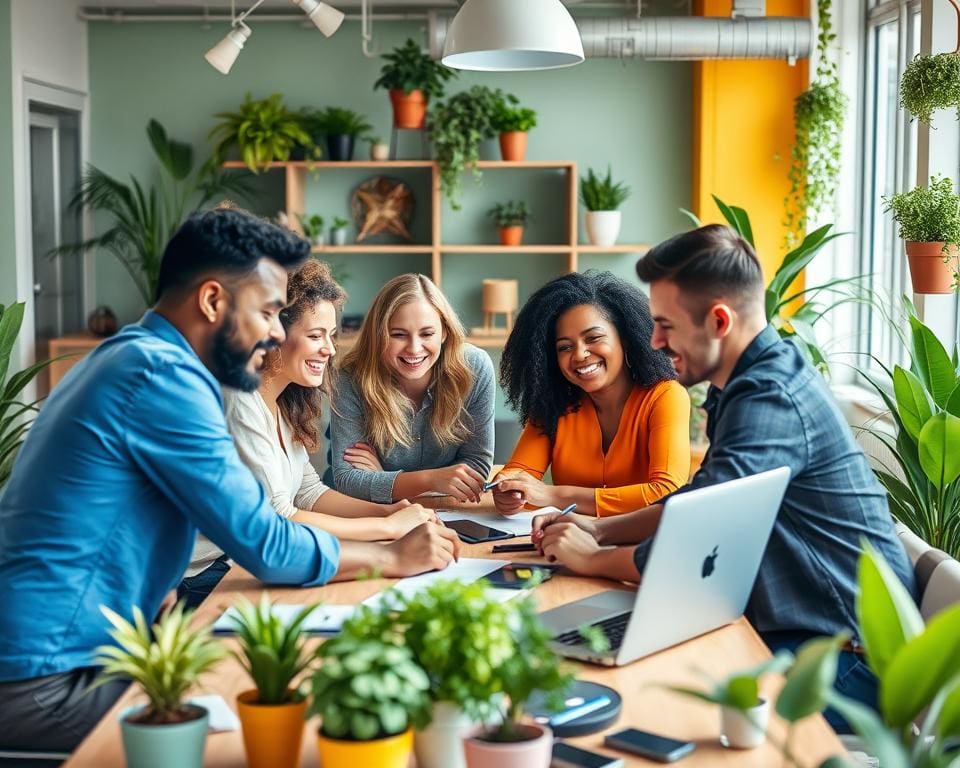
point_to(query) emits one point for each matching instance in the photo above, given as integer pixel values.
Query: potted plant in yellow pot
(165, 661)
(273, 653)
(511, 217)
(929, 222)
(368, 693)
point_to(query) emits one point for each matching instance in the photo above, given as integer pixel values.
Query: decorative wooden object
(500, 297)
(382, 205)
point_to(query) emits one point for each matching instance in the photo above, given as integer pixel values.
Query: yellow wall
(742, 132)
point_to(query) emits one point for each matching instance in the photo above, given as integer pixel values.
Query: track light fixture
(224, 54)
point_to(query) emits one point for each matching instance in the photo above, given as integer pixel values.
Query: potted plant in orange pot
(929, 222)
(511, 217)
(513, 123)
(273, 654)
(368, 693)
(412, 79)
(165, 661)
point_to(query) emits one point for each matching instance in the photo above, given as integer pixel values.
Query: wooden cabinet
(73, 347)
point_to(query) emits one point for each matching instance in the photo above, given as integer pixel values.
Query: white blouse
(285, 472)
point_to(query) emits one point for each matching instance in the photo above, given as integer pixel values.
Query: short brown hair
(708, 263)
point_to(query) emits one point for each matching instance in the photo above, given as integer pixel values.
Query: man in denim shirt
(767, 407)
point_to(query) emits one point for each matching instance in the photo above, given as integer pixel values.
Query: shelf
(637, 248)
(506, 248)
(559, 164)
(321, 164)
(360, 248)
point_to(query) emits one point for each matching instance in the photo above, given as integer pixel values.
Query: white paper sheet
(222, 718)
(327, 619)
(517, 525)
(468, 569)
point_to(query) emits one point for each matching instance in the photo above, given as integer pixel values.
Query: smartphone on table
(475, 533)
(648, 745)
(567, 756)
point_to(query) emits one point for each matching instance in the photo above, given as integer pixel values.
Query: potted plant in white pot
(368, 693)
(511, 217)
(929, 222)
(273, 653)
(744, 714)
(602, 198)
(165, 661)
(379, 149)
(338, 234)
(312, 227)
(530, 665)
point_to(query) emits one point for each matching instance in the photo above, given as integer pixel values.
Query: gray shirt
(348, 426)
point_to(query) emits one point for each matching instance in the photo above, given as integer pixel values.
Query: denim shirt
(129, 457)
(776, 410)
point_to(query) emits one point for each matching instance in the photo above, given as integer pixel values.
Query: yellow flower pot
(272, 734)
(391, 752)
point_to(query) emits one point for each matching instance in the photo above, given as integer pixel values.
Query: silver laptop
(699, 575)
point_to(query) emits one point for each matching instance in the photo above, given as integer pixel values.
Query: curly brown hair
(302, 406)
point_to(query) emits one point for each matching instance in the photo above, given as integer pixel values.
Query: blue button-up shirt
(129, 456)
(776, 410)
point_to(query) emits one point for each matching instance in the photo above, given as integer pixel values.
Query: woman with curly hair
(415, 401)
(275, 429)
(599, 406)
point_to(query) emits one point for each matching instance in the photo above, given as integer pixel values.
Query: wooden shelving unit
(298, 173)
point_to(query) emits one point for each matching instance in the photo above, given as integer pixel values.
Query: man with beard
(767, 407)
(130, 456)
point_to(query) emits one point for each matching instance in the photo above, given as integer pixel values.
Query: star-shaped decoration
(382, 205)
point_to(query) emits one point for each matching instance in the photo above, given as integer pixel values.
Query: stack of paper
(466, 569)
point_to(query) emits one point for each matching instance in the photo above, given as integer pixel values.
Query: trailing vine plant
(930, 83)
(818, 115)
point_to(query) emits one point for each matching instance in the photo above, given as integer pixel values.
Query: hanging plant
(930, 83)
(818, 115)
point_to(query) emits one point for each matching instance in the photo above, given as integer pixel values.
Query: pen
(492, 484)
(567, 509)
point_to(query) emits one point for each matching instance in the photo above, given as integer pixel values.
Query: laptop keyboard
(614, 628)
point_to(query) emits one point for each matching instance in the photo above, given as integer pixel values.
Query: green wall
(8, 257)
(634, 115)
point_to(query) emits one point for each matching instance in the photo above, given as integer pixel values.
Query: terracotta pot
(533, 753)
(927, 269)
(513, 145)
(272, 733)
(409, 109)
(391, 752)
(511, 235)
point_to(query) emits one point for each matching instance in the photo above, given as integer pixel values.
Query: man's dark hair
(225, 241)
(529, 374)
(706, 264)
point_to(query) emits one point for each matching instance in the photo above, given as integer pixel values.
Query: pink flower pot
(534, 753)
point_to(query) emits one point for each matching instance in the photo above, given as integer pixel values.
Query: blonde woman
(414, 403)
(275, 429)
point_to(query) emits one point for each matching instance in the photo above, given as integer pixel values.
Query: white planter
(319, 240)
(603, 227)
(380, 152)
(744, 730)
(440, 744)
(338, 236)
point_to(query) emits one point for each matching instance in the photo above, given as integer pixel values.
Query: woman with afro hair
(599, 406)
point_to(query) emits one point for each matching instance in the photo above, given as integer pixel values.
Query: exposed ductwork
(679, 37)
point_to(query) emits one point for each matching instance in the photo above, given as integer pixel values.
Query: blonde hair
(387, 410)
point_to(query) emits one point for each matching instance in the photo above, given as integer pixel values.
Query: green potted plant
(929, 222)
(273, 653)
(15, 416)
(263, 130)
(368, 693)
(930, 83)
(341, 127)
(141, 218)
(513, 123)
(379, 149)
(456, 128)
(165, 662)
(531, 665)
(744, 714)
(412, 78)
(338, 234)
(923, 488)
(602, 198)
(510, 217)
(312, 227)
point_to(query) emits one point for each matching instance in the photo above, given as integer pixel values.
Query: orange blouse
(648, 458)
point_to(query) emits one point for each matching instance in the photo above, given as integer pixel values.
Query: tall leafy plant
(923, 487)
(15, 416)
(142, 218)
(818, 115)
(264, 130)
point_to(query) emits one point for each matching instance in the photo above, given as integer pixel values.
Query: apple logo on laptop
(709, 563)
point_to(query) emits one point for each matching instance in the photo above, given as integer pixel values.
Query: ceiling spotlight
(326, 18)
(512, 35)
(223, 55)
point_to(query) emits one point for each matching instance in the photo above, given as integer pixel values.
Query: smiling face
(414, 341)
(695, 352)
(589, 351)
(309, 345)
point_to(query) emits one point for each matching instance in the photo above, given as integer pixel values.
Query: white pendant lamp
(326, 18)
(511, 35)
(223, 55)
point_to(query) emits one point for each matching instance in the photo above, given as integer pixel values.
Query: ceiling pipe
(126, 17)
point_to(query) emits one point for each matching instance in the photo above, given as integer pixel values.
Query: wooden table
(646, 705)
